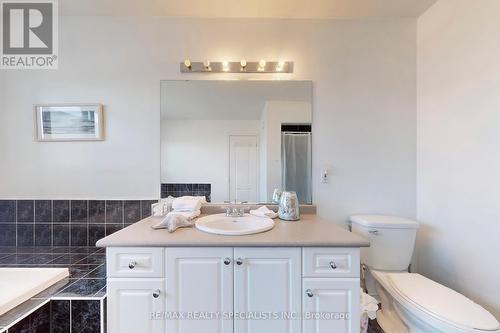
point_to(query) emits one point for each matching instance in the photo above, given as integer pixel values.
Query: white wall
(197, 151)
(363, 72)
(458, 147)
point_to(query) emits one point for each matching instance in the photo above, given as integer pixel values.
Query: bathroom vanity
(298, 277)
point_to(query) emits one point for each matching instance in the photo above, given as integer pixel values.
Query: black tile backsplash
(25, 211)
(60, 211)
(43, 211)
(66, 222)
(181, 189)
(79, 211)
(97, 211)
(60, 310)
(114, 211)
(132, 211)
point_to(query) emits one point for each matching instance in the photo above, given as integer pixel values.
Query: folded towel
(175, 220)
(264, 212)
(187, 204)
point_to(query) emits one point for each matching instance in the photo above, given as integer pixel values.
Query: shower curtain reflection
(296, 164)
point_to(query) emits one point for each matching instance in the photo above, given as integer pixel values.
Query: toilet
(412, 303)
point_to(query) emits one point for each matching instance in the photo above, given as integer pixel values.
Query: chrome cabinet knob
(239, 261)
(227, 261)
(333, 265)
(132, 264)
(156, 293)
(374, 232)
(309, 293)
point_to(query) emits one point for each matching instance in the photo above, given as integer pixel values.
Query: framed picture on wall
(69, 122)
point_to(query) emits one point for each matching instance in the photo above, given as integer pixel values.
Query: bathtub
(17, 285)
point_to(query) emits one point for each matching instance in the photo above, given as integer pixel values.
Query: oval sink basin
(221, 224)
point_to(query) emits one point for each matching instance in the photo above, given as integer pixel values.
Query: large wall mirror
(236, 140)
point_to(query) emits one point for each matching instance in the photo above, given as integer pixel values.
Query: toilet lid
(442, 302)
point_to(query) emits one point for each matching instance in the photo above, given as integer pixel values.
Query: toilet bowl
(412, 303)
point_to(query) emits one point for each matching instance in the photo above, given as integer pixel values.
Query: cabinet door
(267, 282)
(135, 305)
(199, 283)
(331, 305)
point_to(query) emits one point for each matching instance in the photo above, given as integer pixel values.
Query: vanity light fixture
(262, 65)
(206, 64)
(242, 66)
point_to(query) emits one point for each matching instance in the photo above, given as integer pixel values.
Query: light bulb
(225, 66)
(243, 63)
(280, 66)
(187, 63)
(262, 65)
(206, 63)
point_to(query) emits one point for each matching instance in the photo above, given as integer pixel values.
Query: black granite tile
(68, 259)
(79, 236)
(7, 234)
(83, 288)
(85, 316)
(43, 234)
(7, 249)
(93, 259)
(114, 211)
(25, 211)
(60, 235)
(43, 211)
(112, 228)
(79, 271)
(98, 273)
(132, 211)
(7, 211)
(23, 326)
(97, 211)
(60, 316)
(60, 211)
(79, 211)
(25, 234)
(40, 259)
(15, 259)
(146, 207)
(96, 232)
(40, 319)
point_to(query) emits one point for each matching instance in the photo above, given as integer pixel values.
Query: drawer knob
(309, 293)
(227, 261)
(239, 261)
(132, 264)
(156, 293)
(333, 265)
(374, 232)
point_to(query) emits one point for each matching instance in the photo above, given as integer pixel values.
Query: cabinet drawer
(330, 262)
(134, 262)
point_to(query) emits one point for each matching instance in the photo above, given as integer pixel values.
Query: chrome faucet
(232, 210)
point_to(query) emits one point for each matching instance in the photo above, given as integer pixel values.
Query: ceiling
(305, 9)
(227, 100)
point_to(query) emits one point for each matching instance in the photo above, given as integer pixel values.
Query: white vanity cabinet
(226, 290)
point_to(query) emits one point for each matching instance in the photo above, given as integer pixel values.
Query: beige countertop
(309, 231)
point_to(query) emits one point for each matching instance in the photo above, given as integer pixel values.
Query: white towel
(264, 212)
(369, 305)
(175, 220)
(187, 204)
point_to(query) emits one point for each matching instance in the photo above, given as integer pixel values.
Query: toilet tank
(392, 240)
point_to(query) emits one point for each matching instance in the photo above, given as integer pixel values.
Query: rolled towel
(264, 212)
(175, 220)
(187, 204)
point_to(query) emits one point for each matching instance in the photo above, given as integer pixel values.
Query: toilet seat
(446, 308)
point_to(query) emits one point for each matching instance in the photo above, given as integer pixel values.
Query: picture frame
(69, 122)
